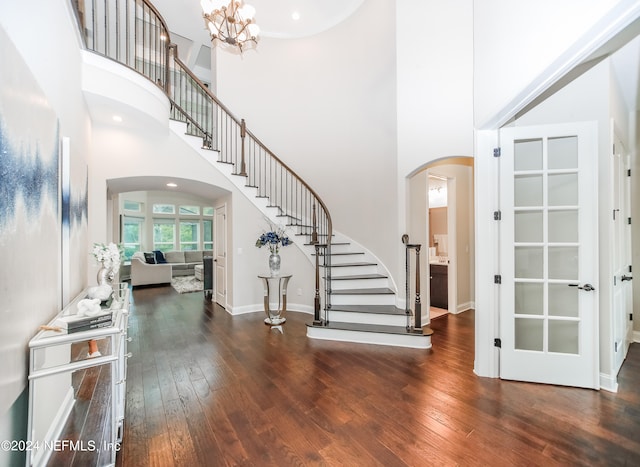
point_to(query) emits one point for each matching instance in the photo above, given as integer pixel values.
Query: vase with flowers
(274, 239)
(109, 256)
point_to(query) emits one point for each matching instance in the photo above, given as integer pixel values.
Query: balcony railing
(133, 33)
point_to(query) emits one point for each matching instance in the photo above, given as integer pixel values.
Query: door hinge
(629, 220)
(497, 152)
(615, 346)
(630, 316)
(628, 172)
(614, 280)
(630, 268)
(497, 279)
(497, 215)
(497, 342)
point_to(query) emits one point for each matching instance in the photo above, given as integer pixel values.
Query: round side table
(277, 284)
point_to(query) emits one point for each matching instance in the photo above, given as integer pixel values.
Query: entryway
(441, 219)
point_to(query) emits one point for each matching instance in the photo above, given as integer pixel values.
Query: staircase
(355, 299)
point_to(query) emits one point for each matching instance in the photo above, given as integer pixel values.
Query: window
(189, 238)
(207, 211)
(164, 209)
(131, 235)
(133, 206)
(164, 234)
(190, 210)
(207, 234)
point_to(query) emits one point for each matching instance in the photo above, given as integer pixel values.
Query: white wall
(515, 41)
(325, 105)
(49, 45)
(435, 81)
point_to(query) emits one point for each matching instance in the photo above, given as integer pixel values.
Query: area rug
(186, 284)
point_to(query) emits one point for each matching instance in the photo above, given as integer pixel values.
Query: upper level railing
(133, 33)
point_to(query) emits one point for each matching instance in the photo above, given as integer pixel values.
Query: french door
(548, 254)
(622, 294)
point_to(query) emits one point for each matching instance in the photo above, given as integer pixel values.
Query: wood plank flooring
(208, 389)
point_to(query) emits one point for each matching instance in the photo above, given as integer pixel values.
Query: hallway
(206, 388)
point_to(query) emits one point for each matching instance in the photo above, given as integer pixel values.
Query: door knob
(587, 287)
(626, 278)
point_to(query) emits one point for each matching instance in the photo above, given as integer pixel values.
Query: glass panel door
(548, 237)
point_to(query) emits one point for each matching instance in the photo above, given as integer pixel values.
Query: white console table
(52, 396)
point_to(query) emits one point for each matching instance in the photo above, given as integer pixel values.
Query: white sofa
(178, 263)
(143, 273)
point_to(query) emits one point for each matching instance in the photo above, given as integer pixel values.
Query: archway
(445, 227)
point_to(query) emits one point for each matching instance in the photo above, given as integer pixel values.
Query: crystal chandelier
(231, 24)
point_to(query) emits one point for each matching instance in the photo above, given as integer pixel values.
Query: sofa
(157, 268)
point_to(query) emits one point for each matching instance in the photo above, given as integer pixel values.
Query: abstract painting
(30, 220)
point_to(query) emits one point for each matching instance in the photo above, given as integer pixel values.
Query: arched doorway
(441, 218)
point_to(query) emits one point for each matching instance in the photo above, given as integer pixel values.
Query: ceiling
(184, 19)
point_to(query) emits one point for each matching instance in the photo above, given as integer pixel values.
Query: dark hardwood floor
(209, 389)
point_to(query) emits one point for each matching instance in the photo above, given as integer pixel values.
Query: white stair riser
(346, 259)
(367, 318)
(396, 340)
(352, 270)
(379, 283)
(365, 299)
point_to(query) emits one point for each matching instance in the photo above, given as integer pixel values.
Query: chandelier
(231, 24)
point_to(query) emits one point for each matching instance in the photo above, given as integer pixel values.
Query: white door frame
(220, 256)
(486, 359)
(620, 253)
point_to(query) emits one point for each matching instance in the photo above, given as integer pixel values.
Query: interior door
(220, 249)
(621, 254)
(548, 254)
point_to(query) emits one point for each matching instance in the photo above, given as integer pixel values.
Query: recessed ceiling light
(295, 16)
(172, 185)
(117, 118)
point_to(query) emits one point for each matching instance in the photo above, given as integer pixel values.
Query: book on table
(75, 323)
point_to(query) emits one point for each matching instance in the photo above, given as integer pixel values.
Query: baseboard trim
(608, 383)
(291, 307)
(465, 307)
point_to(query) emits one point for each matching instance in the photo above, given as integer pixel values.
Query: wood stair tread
(372, 291)
(358, 276)
(377, 328)
(343, 265)
(345, 253)
(373, 309)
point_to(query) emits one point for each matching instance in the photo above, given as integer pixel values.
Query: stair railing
(133, 33)
(416, 325)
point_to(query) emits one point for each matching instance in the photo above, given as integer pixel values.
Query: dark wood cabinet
(439, 285)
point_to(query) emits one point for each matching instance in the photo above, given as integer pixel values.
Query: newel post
(418, 318)
(316, 299)
(243, 134)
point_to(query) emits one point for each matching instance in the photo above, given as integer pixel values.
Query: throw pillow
(150, 258)
(159, 255)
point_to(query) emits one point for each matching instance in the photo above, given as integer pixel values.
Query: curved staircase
(359, 296)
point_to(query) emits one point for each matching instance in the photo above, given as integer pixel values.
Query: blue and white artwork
(74, 189)
(30, 220)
